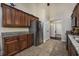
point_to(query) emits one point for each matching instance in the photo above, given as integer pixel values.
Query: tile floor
(49, 48)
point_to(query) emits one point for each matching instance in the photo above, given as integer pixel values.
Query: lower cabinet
(71, 49)
(11, 46)
(15, 44)
(29, 40)
(23, 42)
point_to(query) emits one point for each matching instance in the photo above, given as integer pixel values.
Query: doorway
(56, 29)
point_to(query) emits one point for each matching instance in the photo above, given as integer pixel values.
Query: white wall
(62, 11)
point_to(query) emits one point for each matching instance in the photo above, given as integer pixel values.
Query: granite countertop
(8, 34)
(74, 42)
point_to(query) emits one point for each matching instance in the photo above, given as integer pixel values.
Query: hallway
(50, 48)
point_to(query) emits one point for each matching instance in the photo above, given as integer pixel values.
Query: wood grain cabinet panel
(23, 42)
(13, 17)
(17, 18)
(15, 44)
(22, 19)
(7, 21)
(75, 16)
(71, 49)
(29, 21)
(29, 40)
(26, 19)
(11, 46)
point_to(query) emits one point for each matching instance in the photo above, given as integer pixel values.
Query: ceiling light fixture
(12, 4)
(48, 4)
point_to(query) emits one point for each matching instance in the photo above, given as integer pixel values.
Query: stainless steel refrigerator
(37, 30)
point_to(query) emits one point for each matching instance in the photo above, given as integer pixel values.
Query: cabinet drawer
(7, 39)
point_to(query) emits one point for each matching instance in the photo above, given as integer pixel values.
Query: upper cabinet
(7, 16)
(13, 17)
(75, 16)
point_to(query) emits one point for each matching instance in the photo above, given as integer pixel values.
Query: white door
(56, 29)
(46, 30)
(52, 30)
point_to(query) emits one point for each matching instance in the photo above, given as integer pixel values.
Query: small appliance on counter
(75, 30)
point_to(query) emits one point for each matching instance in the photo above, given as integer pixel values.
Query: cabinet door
(23, 42)
(77, 21)
(29, 20)
(69, 47)
(7, 20)
(29, 40)
(17, 18)
(11, 46)
(26, 19)
(73, 52)
(77, 15)
(13, 16)
(22, 20)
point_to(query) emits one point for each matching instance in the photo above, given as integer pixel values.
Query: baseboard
(52, 37)
(59, 38)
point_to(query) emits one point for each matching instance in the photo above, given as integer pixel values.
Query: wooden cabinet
(74, 21)
(13, 17)
(17, 18)
(75, 16)
(29, 40)
(27, 20)
(70, 48)
(22, 19)
(78, 15)
(23, 42)
(11, 46)
(6, 16)
(15, 44)
(73, 51)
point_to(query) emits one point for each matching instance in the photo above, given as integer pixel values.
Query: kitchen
(21, 32)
